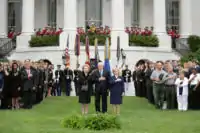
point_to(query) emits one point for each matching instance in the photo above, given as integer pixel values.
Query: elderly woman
(116, 91)
(85, 81)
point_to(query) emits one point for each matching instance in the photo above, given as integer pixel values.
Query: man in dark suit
(76, 79)
(58, 80)
(29, 83)
(101, 80)
(39, 83)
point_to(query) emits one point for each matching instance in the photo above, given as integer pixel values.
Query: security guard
(126, 74)
(68, 74)
(58, 80)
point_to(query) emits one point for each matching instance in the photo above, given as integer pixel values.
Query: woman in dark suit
(85, 82)
(148, 82)
(116, 91)
(15, 86)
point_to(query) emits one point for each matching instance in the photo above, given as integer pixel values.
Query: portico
(70, 14)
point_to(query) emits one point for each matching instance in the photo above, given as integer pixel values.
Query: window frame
(94, 20)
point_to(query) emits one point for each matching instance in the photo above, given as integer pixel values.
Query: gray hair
(100, 64)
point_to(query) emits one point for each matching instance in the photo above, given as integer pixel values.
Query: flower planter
(142, 45)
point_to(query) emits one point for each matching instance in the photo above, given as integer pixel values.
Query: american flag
(67, 52)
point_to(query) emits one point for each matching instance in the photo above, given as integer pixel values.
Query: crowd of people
(23, 84)
(168, 83)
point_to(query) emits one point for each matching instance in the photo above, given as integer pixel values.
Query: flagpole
(77, 62)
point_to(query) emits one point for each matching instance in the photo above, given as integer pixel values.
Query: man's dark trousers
(68, 88)
(101, 95)
(28, 102)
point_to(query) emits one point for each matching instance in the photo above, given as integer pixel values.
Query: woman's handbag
(84, 87)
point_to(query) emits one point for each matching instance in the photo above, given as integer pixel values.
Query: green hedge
(43, 41)
(101, 38)
(194, 43)
(191, 56)
(92, 122)
(147, 41)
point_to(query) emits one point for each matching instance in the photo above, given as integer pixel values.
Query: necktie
(28, 71)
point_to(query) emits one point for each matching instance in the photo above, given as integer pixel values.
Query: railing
(6, 46)
(182, 46)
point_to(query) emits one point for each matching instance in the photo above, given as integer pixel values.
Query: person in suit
(135, 80)
(101, 80)
(148, 82)
(5, 87)
(116, 91)
(28, 83)
(194, 92)
(76, 80)
(51, 90)
(58, 80)
(40, 83)
(85, 88)
(140, 76)
(126, 74)
(68, 74)
(1, 83)
(15, 79)
(46, 79)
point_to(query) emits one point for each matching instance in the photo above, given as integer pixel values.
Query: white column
(4, 18)
(118, 24)
(185, 18)
(118, 15)
(159, 16)
(70, 17)
(28, 23)
(28, 17)
(70, 23)
(159, 12)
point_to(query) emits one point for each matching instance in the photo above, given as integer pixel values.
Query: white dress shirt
(196, 80)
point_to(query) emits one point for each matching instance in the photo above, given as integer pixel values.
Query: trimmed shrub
(194, 43)
(191, 56)
(145, 41)
(44, 41)
(92, 122)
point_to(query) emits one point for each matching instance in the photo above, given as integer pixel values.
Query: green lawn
(137, 116)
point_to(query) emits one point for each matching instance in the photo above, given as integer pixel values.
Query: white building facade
(27, 15)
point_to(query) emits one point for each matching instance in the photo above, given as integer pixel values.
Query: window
(11, 16)
(135, 12)
(52, 10)
(94, 12)
(172, 14)
(14, 15)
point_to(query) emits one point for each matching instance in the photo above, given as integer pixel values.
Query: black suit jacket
(28, 83)
(68, 73)
(126, 74)
(60, 73)
(101, 85)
